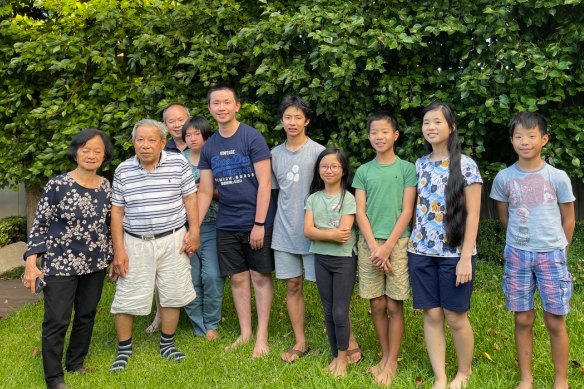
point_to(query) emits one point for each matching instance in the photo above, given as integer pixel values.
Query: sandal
(352, 352)
(293, 352)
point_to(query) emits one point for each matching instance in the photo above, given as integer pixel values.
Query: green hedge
(12, 230)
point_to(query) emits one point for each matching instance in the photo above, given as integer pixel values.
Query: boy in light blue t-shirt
(385, 192)
(536, 204)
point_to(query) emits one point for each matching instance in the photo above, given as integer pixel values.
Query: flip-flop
(293, 351)
(352, 352)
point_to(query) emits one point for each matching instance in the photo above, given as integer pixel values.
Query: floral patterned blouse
(428, 236)
(71, 228)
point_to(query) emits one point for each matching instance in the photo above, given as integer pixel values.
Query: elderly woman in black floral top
(71, 233)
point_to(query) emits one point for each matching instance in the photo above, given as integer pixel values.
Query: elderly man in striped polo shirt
(154, 195)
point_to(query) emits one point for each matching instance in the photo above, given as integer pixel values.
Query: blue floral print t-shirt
(428, 236)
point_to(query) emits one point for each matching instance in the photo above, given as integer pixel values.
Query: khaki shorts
(154, 263)
(374, 283)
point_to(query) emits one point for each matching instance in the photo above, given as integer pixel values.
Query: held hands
(380, 256)
(256, 237)
(463, 271)
(191, 243)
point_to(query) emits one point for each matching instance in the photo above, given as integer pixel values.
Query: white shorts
(289, 265)
(154, 263)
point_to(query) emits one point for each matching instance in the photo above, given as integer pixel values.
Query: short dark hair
(82, 137)
(296, 102)
(223, 86)
(528, 120)
(201, 124)
(382, 115)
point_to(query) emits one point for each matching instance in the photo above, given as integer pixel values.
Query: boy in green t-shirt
(385, 192)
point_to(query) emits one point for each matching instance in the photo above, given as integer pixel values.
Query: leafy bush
(12, 230)
(490, 240)
(576, 255)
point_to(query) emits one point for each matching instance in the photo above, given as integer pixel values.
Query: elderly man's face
(174, 118)
(148, 145)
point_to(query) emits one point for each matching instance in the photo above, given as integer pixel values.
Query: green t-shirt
(384, 186)
(326, 214)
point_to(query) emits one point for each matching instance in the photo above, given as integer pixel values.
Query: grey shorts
(289, 265)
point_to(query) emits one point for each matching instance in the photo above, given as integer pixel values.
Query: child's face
(222, 106)
(330, 169)
(294, 121)
(382, 136)
(194, 139)
(435, 128)
(528, 142)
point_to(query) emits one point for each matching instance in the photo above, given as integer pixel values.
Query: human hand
(191, 243)
(341, 235)
(256, 237)
(463, 271)
(119, 266)
(31, 273)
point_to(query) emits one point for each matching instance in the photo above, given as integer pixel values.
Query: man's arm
(192, 238)
(568, 219)
(204, 194)
(264, 176)
(119, 265)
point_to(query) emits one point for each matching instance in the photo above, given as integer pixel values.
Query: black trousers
(62, 294)
(335, 280)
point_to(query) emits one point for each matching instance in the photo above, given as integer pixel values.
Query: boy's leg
(556, 326)
(264, 296)
(241, 290)
(524, 346)
(296, 312)
(381, 325)
(395, 333)
(463, 339)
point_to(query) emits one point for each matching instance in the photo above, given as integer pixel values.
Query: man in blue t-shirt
(236, 160)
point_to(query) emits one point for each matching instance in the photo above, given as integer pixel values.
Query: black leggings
(335, 279)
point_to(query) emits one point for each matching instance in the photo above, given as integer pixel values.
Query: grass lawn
(207, 365)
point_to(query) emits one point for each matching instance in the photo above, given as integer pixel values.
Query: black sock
(124, 352)
(168, 350)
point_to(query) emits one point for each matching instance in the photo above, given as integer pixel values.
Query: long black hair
(317, 183)
(455, 213)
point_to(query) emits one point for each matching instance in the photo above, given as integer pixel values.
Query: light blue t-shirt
(535, 222)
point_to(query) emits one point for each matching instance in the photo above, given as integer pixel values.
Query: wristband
(259, 224)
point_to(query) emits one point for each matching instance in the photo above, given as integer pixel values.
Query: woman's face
(90, 156)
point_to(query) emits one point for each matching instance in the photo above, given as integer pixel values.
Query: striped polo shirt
(153, 200)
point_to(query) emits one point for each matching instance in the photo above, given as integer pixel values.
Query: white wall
(12, 203)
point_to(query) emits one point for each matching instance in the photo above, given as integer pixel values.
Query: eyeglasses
(334, 168)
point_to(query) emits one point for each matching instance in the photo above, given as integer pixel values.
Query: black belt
(154, 236)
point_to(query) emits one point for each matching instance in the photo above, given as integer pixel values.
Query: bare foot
(211, 335)
(260, 349)
(524, 385)
(460, 381)
(385, 376)
(439, 383)
(561, 384)
(375, 370)
(240, 341)
(332, 365)
(340, 368)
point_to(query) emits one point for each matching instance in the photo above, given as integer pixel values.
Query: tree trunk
(33, 194)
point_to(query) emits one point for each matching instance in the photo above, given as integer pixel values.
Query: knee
(395, 308)
(340, 316)
(456, 320)
(524, 320)
(434, 317)
(555, 324)
(294, 286)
